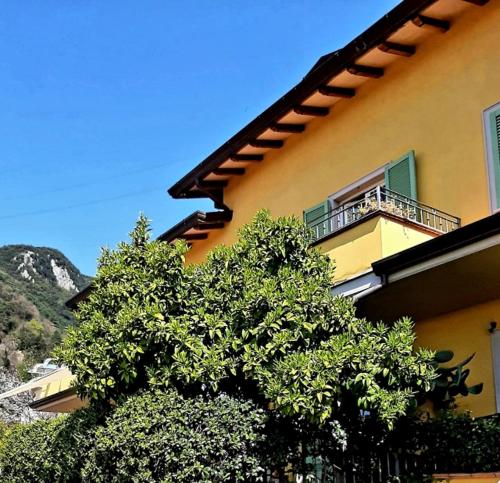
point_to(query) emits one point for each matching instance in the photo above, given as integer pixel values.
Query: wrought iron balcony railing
(383, 200)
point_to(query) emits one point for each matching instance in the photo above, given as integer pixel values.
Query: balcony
(382, 200)
(376, 225)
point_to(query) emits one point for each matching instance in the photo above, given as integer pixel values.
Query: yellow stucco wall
(431, 102)
(355, 249)
(54, 387)
(396, 236)
(464, 332)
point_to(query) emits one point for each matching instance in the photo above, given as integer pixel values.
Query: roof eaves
(41, 403)
(322, 72)
(197, 220)
(73, 302)
(182, 226)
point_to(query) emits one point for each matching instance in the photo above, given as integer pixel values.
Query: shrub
(257, 320)
(47, 451)
(165, 437)
(451, 443)
(4, 432)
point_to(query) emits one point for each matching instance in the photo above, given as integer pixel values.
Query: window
(359, 187)
(491, 119)
(348, 203)
(395, 181)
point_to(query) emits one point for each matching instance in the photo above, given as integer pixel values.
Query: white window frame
(490, 167)
(353, 190)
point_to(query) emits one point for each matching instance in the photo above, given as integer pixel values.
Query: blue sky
(104, 104)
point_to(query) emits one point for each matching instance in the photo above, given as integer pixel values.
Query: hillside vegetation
(34, 285)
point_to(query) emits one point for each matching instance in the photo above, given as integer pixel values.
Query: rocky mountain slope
(15, 409)
(34, 284)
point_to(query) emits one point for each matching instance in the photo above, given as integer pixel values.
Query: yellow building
(390, 150)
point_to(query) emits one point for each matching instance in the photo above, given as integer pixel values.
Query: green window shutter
(495, 151)
(317, 219)
(400, 176)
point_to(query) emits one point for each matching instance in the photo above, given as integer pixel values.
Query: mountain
(34, 284)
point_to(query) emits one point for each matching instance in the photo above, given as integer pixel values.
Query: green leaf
(443, 356)
(476, 389)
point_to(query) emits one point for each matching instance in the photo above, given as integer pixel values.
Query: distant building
(44, 368)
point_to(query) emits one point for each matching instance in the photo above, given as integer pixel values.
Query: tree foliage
(256, 320)
(47, 450)
(165, 437)
(158, 437)
(117, 341)
(450, 443)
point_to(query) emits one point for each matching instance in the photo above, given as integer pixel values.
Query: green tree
(33, 338)
(47, 450)
(165, 437)
(150, 437)
(117, 339)
(257, 321)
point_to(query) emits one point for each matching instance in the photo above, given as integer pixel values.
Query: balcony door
(355, 201)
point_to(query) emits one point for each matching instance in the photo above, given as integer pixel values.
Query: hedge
(165, 437)
(150, 437)
(48, 450)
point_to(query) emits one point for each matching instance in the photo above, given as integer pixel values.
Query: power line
(91, 183)
(78, 205)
